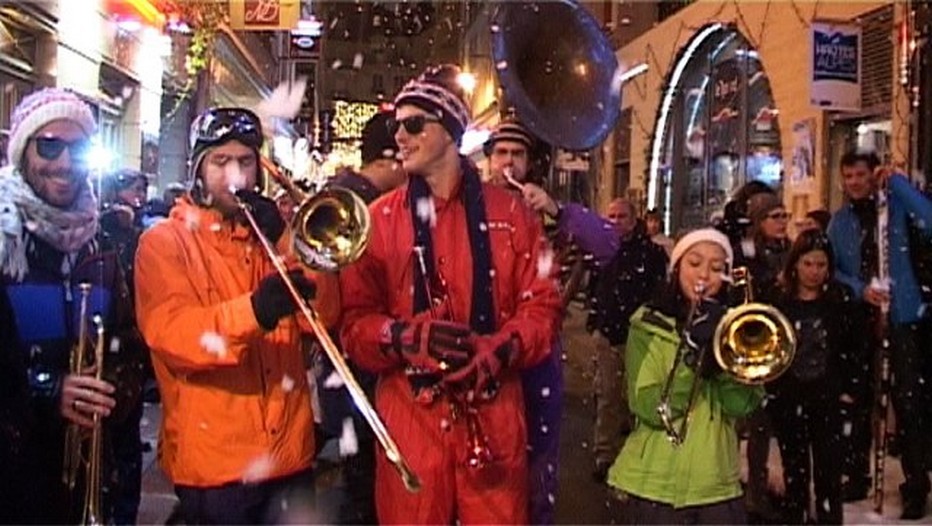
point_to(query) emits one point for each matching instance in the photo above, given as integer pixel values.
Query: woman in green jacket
(696, 482)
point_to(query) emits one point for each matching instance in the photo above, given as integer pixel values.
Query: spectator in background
(653, 223)
(814, 220)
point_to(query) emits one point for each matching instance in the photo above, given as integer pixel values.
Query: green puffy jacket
(704, 469)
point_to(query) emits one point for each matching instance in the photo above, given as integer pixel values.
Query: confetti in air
(214, 344)
(349, 446)
(545, 263)
(426, 211)
(259, 469)
(334, 381)
(192, 220)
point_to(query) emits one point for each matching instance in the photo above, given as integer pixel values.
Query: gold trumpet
(331, 230)
(754, 343)
(83, 450)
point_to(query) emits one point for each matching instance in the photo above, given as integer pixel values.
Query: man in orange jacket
(237, 435)
(453, 297)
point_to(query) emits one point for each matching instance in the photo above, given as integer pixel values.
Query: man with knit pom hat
(454, 296)
(48, 246)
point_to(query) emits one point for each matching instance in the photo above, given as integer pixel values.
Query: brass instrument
(84, 450)
(331, 230)
(558, 71)
(754, 343)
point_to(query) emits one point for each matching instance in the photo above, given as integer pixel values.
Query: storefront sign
(836, 66)
(264, 15)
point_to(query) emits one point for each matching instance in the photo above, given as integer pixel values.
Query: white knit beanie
(40, 108)
(709, 235)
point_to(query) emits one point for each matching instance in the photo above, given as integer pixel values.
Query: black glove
(698, 336)
(266, 213)
(271, 300)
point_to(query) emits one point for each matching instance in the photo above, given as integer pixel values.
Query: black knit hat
(437, 91)
(377, 141)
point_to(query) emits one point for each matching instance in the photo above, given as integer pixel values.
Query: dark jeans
(126, 445)
(267, 502)
(642, 511)
(804, 421)
(759, 430)
(910, 398)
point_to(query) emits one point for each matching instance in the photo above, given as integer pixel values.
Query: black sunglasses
(413, 124)
(50, 148)
(223, 124)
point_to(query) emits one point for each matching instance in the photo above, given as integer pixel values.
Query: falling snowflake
(115, 344)
(284, 504)
(202, 425)
(259, 469)
(544, 429)
(334, 381)
(192, 220)
(445, 424)
(287, 383)
(144, 421)
(526, 295)
(336, 64)
(551, 499)
(545, 392)
(214, 344)
(357, 61)
(215, 227)
(426, 211)
(545, 263)
(349, 445)
(386, 210)
(492, 273)
(503, 64)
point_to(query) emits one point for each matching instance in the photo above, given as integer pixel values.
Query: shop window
(722, 130)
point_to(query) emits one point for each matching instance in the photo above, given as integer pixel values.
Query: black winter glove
(266, 213)
(271, 300)
(699, 334)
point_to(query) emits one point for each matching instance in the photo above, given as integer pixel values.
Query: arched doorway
(717, 128)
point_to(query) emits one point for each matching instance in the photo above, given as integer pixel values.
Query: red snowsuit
(379, 288)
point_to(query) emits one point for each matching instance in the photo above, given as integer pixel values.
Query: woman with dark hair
(697, 481)
(805, 405)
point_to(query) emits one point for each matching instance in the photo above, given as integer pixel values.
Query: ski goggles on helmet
(219, 125)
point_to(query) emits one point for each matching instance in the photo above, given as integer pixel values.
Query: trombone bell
(331, 229)
(754, 343)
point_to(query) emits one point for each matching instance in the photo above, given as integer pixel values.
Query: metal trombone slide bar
(410, 479)
(92, 509)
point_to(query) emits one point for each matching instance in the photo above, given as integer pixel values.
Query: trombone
(331, 230)
(83, 451)
(754, 343)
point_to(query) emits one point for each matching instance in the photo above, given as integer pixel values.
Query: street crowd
(451, 323)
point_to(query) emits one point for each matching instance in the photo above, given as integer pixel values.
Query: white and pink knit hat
(40, 108)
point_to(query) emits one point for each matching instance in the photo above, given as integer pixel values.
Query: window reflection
(725, 131)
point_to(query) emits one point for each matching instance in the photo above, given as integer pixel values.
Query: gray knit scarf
(22, 211)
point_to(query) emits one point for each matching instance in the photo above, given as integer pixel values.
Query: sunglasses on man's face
(413, 124)
(50, 148)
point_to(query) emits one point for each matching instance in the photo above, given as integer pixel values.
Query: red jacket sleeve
(538, 307)
(178, 328)
(365, 307)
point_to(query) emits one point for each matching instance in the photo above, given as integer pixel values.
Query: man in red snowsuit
(454, 296)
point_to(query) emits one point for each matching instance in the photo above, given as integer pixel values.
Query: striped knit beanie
(40, 108)
(436, 91)
(511, 130)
